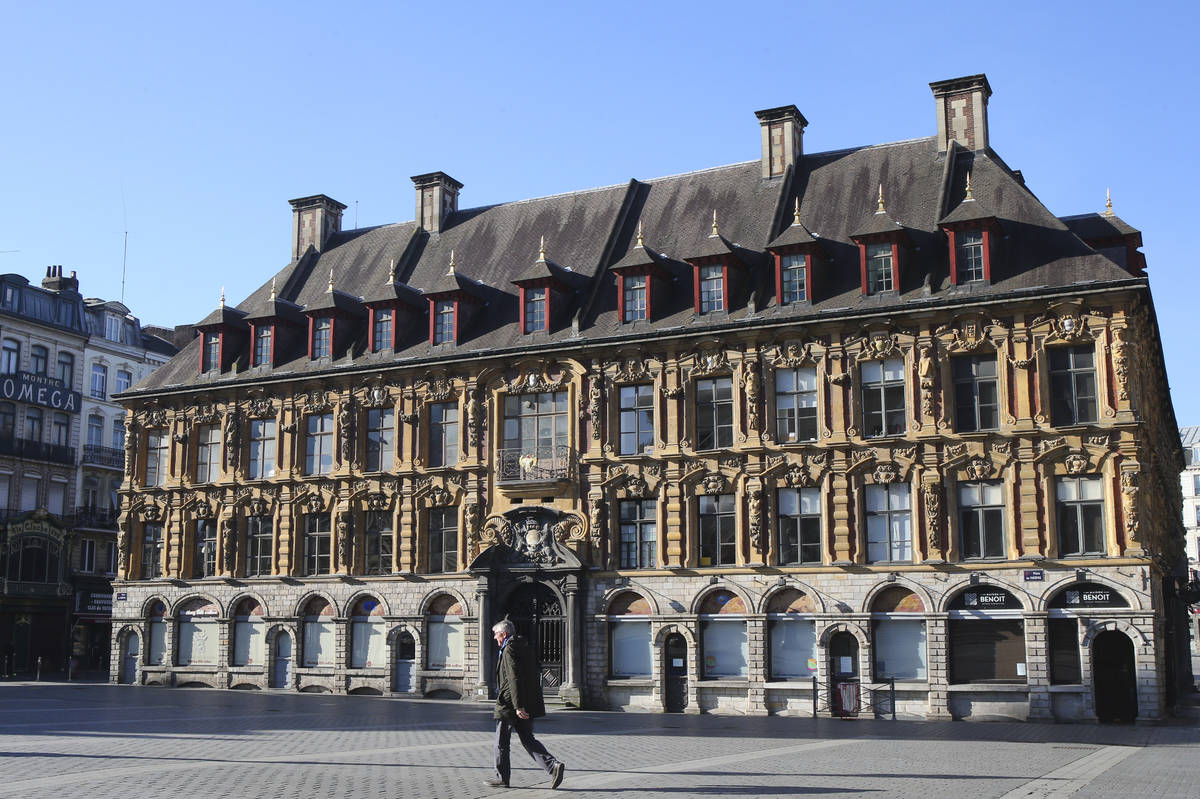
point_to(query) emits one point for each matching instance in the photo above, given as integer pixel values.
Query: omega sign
(39, 390)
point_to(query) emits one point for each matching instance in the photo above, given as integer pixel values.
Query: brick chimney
(782, 138)
(437, 198)
(314, 220)
(54, 280)
(962, 111)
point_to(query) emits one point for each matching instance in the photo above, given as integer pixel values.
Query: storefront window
(445, 650)
(792, 635)
(899, 639)
(249, 634)
(986, 637)
(198, 634)
(629, 636)
(367, 635)
(318, 634)
(724, 651)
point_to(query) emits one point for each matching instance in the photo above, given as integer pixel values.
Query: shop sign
(1035, 575)
(41, 390)
(1089, 595)
(985, 598)
(93, 602)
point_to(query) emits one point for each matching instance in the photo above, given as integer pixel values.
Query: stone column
(570, 691)
(1037, 666)
(756, 643)
(483, 681)
(937, 665)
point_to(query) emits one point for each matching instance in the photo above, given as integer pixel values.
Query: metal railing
(873, 699)
(37, 450)
(96, 518)
(534, 464)
(103, 456)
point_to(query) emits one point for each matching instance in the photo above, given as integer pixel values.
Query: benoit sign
(39, 390)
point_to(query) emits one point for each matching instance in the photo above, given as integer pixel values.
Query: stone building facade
(850, 432)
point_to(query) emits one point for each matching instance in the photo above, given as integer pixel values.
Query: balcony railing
(535, 464)
(96, 455)
(96, 518)
(37, 450)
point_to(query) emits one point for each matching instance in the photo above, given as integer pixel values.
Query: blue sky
(191, 127)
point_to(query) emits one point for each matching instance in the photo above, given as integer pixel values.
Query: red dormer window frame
(433, 313)
(546, 284)
(371, 311)
(219, 365)
(779, 255)
(984, 227)
(312, 329)
(704, 263)
(650, 277)
(865, 242)
(254, 343)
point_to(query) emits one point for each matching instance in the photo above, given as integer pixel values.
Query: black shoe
(495, 783)
(557, 774)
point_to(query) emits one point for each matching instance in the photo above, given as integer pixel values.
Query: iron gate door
(538, 615)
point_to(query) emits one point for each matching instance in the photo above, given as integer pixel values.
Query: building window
(368, 635)
(8, 420)
(976, 400)
(1072, 385)
(535, 309)
(443, 321)
(156, 458)
(10, 357)
(33, 424)
(378, 540)
(262, 448)
(99, 381)
(445, 634)
(62, 430)
(630, 647)
(792, 281)
(981, 519)
(883, 397)
(322, 337)
(259, 540)
(792, 645)
(95, 431)
(124, 381)
(635, 288)
(712, 288)
(208, 454)
(889, 523)
(443, 540)
(443, 434)
(118, 433)
(39, 359)
(799, 525)
(66, 369)
(152, 544)
(249, 634)
(156, 644)
(318, 444)
(31, 489)
(899, 648)
(724, 648)
(381, 436)
(636, 419)
(320, 636)
(714, 413)
(879, 268)
(381, 334)
(317, 540)
(87, 555)
(1080, 503)
(1065, 668)
(204, 559)
(639, 533)
(198, 637)
(718, 533)
(263, 345)
(112, 328)
(1196, 485)
(56, 499)
(796, 405)
(33, 559)
(969, 260)
(535, 433)
(211, 353)
(987, 650)
(113, 553)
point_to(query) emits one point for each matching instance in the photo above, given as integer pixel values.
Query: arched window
(33, 559)
(629, 636)
(1063, 626)
(10, 356)
(724, 651)
(318, 634)
(792, 635)
(198, 634)
(157, 636)
(367, 635)
(39, 360)
(898, 635)
(986, 636)
(66, 369)
(445, 650)
(248, 634)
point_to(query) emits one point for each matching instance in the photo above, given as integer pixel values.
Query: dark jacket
(518, 681)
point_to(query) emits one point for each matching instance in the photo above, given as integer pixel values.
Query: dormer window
(381, 329)
(322, 337)
(634, 293)
(264, 338)
(879, 268)
(443, 321)
(710, 292)
(792, 278)
(211, 353)
(969, 255)
(535, 309)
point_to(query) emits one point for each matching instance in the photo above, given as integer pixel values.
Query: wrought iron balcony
(535, 465)
(37, 450)
(96, 518)
(95, 455)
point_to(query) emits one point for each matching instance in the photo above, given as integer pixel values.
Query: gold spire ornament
(1108, 202)
(796, 216)
(272, 288)
(391, 273)
(331, 280)
(542, 250)
(970, 194)
(222, 296)
(451, 272)
(715, 232)
(640, 243)
(880, 209)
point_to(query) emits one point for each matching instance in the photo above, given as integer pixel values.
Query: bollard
(892, 682)
(39, 668)
(814, 695)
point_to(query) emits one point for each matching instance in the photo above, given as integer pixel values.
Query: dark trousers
(533, 746)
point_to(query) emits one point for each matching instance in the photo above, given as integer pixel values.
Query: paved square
(123, 742)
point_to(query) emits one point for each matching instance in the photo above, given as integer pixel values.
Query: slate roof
(589, 231)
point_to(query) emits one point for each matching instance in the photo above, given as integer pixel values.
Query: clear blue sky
(190, 128)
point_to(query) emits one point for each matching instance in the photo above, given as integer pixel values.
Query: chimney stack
(437, 198)
(314, 220)
(55, 281)
(782, 138)
(962, 111)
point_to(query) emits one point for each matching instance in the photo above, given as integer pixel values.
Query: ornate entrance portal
(528, 574)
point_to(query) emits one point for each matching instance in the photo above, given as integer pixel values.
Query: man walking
(518, 703)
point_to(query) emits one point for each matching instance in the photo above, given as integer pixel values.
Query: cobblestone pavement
(103, 741)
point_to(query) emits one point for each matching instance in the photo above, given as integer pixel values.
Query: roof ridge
(869, 147)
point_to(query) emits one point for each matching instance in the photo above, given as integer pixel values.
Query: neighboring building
(1189, 482)
(829, 420)
(58, 532)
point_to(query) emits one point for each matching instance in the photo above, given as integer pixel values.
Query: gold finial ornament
(796, 216)
(715, 232)
(640, 242)
(880, 209)
(391, 273)
(222, 296)
(970, 194)
(331, 280)
(272, 288)
(1108, 202)
(542, 250)
(451, 272)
